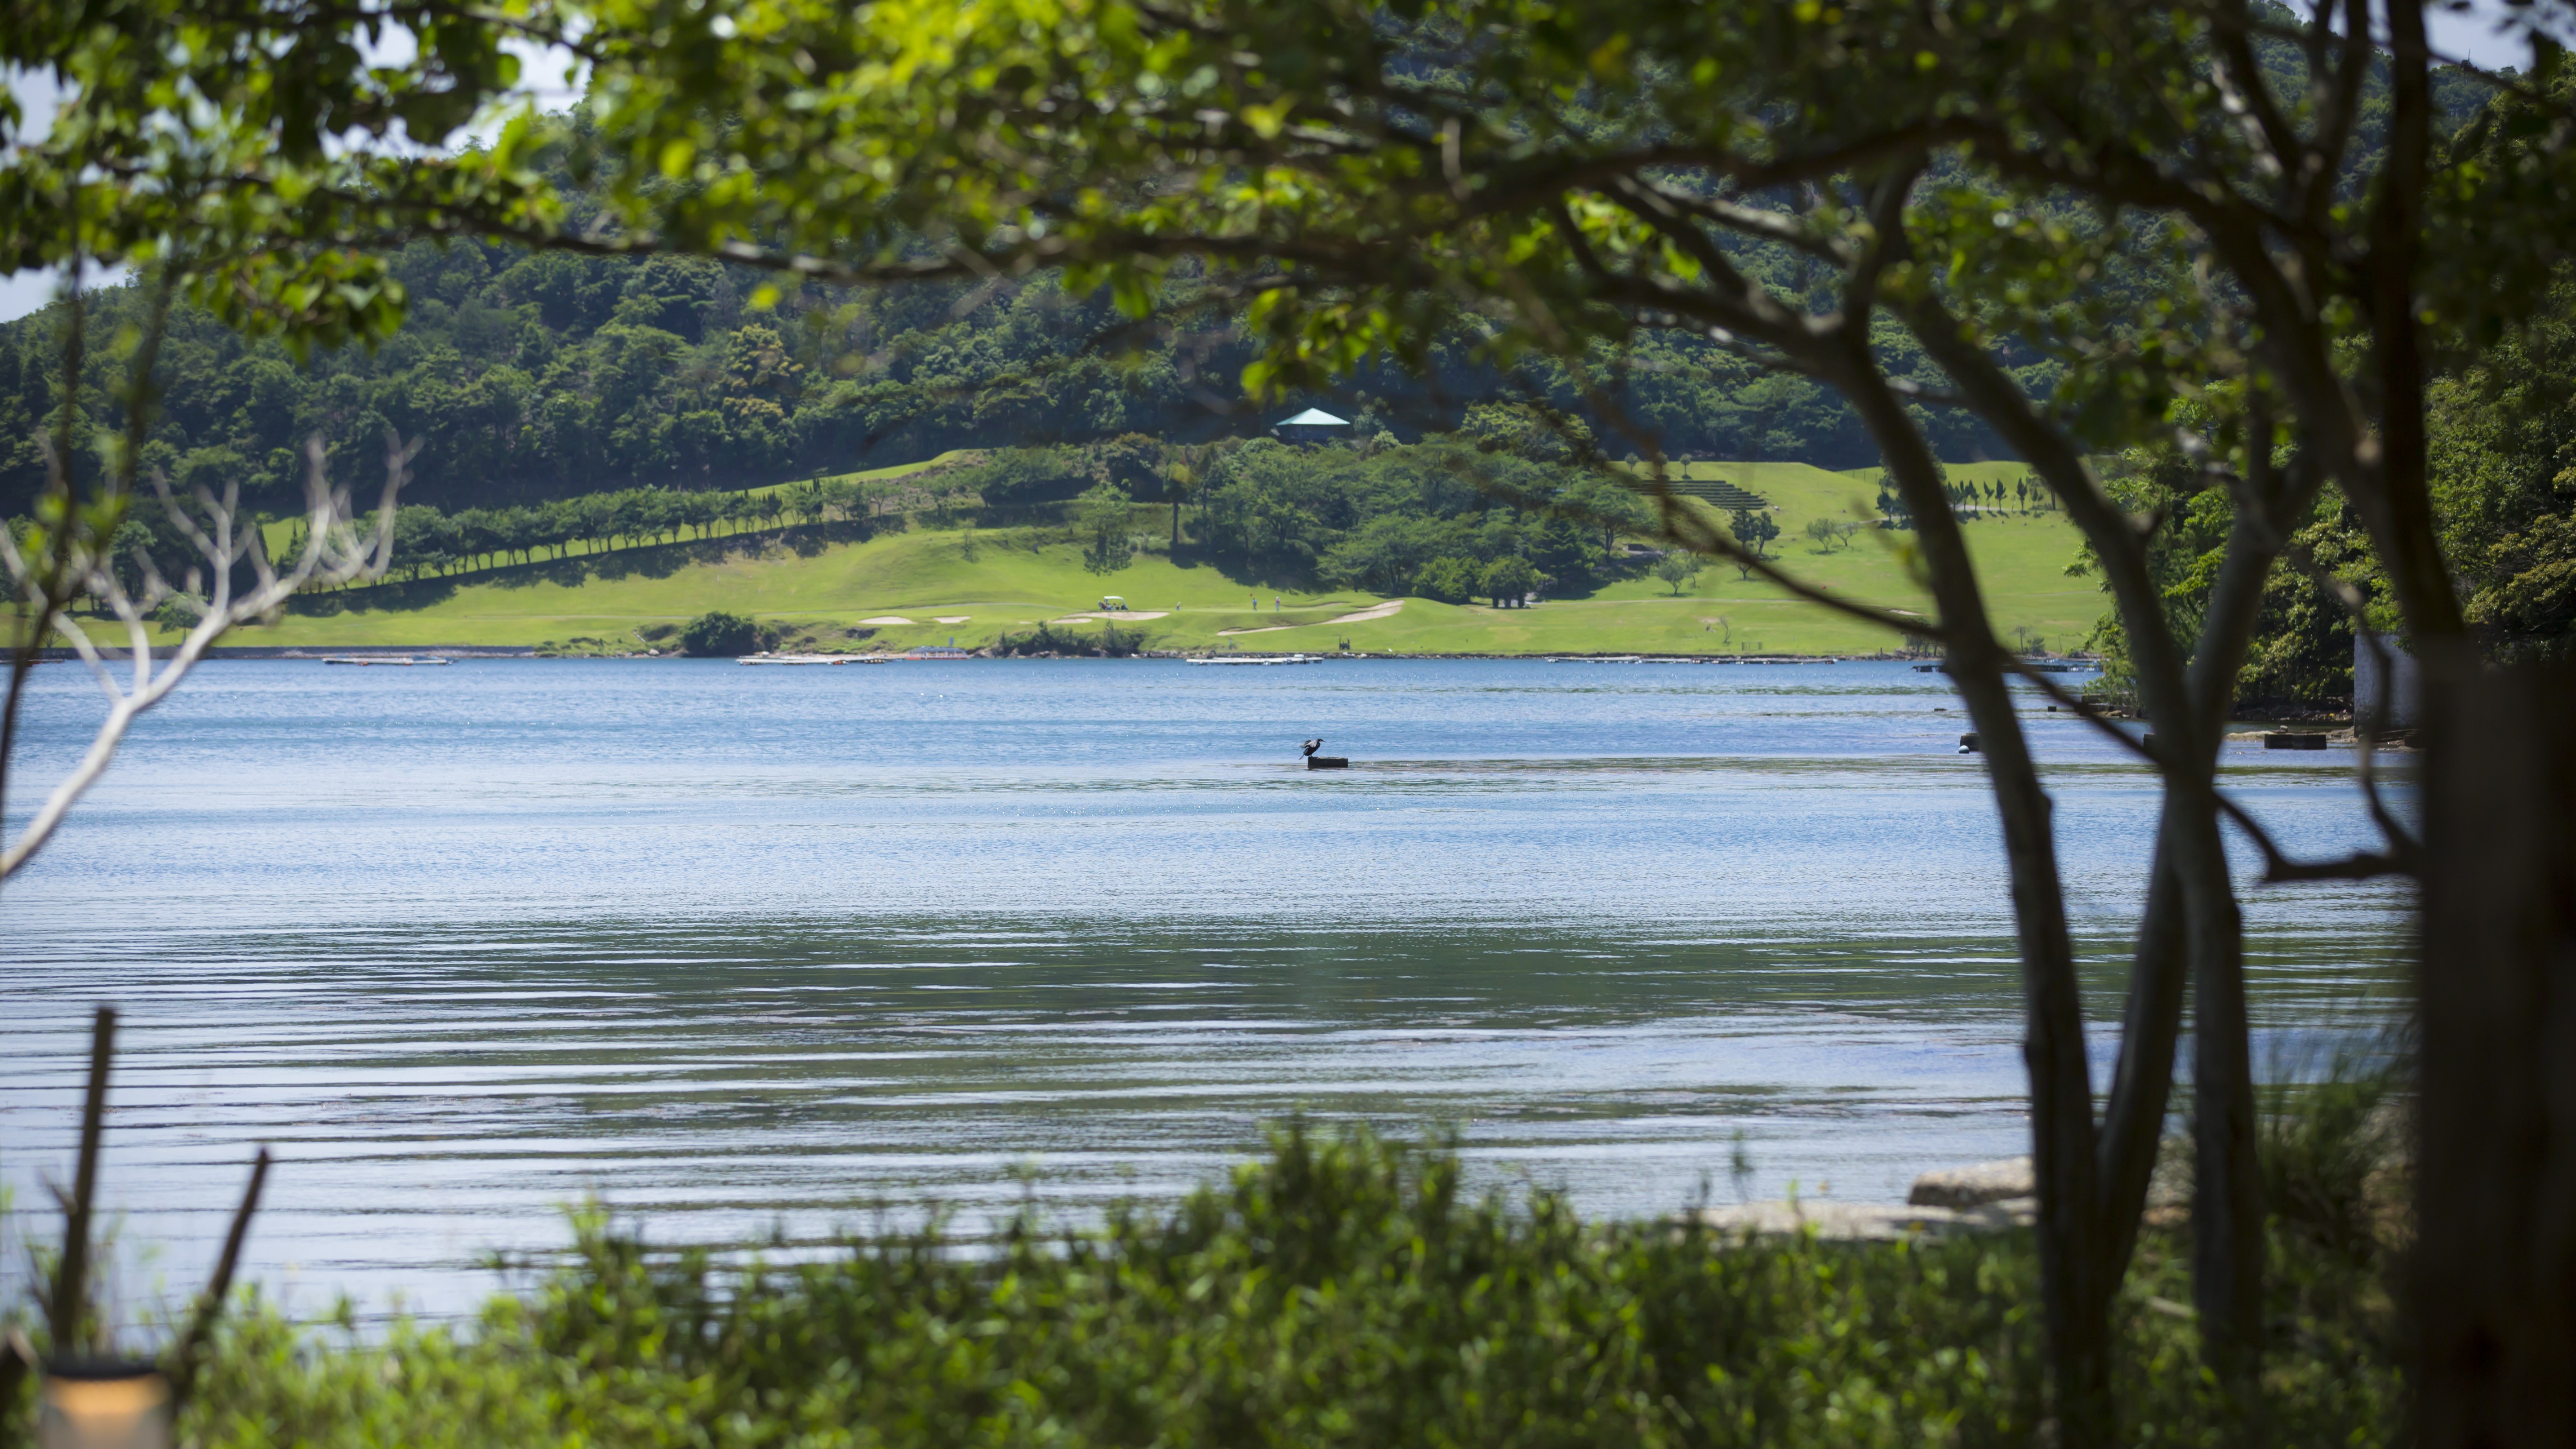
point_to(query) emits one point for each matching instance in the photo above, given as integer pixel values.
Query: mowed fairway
(995, 582)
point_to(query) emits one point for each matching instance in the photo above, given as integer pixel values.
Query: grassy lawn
(997, 581)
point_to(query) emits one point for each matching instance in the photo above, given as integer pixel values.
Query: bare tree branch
(333, 552)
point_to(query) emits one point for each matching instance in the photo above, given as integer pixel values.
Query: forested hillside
(542, 376)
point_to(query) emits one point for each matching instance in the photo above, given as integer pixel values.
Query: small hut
(1314, 425)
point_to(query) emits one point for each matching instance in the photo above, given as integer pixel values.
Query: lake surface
(735, 950)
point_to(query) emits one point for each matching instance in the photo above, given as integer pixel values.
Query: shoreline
(317, 652)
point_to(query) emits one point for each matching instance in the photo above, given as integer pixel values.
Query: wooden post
(2495, 1263)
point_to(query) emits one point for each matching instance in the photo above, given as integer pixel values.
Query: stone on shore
(1856, 1222)
(1974, 1184)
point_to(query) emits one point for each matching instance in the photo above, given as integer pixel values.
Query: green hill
(975, 584)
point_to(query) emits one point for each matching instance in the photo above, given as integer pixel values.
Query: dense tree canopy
(531, 377)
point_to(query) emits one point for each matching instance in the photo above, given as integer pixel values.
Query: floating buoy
(1968, 744)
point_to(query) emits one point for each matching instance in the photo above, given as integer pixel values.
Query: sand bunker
(1137, 614)
(1373, 611)
(883, 620)
(950, 618)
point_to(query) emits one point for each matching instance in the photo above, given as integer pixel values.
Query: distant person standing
(1274, 603)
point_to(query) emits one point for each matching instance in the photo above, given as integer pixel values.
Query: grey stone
(1851, 1222)
(1970, 1186)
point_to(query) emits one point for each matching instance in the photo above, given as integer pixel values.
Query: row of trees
(1968, 498)
(428, 540)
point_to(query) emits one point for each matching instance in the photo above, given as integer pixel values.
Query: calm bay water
(733, 949)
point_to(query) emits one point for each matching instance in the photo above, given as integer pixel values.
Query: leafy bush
(718, 634)
(1111, 642)
(1345, 1291)
(1448, 580)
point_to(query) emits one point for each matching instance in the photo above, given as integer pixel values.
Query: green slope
(996, 582)
(281, 534)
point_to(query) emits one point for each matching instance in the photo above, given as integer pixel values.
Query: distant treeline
(535, 377)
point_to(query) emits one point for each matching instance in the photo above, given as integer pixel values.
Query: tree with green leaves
(1752, 528)
(1791, 181)
(1508, 581)
(1448, 579)
(2077, 219)
(720, 635)
(1679, 569)
(1104, 510)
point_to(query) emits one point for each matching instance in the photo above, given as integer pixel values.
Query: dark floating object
(1968, 743)
(2294, 740)
(1323, 762)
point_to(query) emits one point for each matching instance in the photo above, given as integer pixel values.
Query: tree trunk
(2495, 1167)
(2074, 1288)
(2227, 1201)
(2194, 929)
(2133, 1123)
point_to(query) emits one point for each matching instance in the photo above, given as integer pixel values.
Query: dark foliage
(717, 634)
(550, 376)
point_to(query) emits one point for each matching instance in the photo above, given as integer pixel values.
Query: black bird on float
(1312, 746)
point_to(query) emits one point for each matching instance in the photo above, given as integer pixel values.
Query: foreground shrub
(1343, 1292)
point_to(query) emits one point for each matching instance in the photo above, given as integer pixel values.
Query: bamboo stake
(71, 1276)
(210, 1307)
